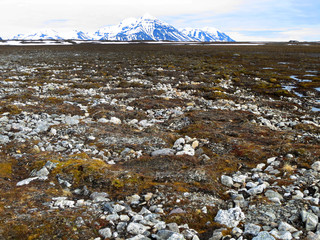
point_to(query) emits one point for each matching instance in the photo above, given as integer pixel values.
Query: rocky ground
(150, 141)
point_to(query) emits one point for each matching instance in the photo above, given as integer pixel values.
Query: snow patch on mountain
(145, 28)
(207, 34)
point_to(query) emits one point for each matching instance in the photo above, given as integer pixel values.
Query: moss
(283, 92)
(53, 100)
(117, 183)
(12, 109)
(82, 169)
(5, 170)
(215, 95)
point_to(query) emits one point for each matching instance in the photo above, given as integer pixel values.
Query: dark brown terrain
(97, 114)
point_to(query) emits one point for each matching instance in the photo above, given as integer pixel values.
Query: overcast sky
(242, 19)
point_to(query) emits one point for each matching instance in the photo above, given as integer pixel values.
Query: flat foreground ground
(88, 118)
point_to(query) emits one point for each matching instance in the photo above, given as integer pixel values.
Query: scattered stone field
(151, 141)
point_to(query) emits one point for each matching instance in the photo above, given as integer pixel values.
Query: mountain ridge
(145, 28)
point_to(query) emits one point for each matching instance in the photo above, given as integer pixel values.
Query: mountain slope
(206, 34)
(42, 34)
(144, 28)
(76, 35)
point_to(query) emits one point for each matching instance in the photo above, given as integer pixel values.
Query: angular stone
(112, 217)
(231, 217)
(226, 180)
(124, 218)
(166, 234)
(102, 120)
(179, 143)
(195, 144)
(217, 234)
(4, 139)
(264, 236)
(187, 150)
(283, 226)
(105, 232)
(252, 229)
(239, 178)
(136, 228)
(282, 235)
(71, 120)
(316, 166)
(257, 190)
(311, 220)
(115, 120)
(163, 152)
(26, 181)
(139, 237)
(273, 194)
(42, 172)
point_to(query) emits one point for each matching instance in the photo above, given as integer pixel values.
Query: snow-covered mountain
(42, 34)
(144, 28)
(206, 34)
(76, 35)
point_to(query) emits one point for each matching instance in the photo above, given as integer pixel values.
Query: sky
(243, 20)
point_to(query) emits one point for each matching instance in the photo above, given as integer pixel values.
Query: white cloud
(307, 34)
(237, 17)
(27, 15)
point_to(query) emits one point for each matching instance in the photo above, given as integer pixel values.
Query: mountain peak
(144, 28)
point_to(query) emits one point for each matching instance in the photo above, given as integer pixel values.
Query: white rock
(26, 181)
(71, 120)
(163, 152)
(310, 219)
(316, 166)
(136, 228)
(187, 150)
(239, 178)
(118, 208)
(105, 232)
(226, 180)
(270, 160)
(298, 195)
(115, 120)
(102, 120)
(42, 172)
(263, 236)
(252, 229)
(124, 218)
(257, 190)
(179, 143)
(145, 123)
(283, 226)
(4, 139)
(231, 217)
